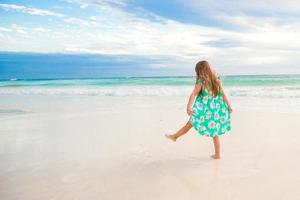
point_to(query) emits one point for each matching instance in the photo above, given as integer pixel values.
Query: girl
(210, 113)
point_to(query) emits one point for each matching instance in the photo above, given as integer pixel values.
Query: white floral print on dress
(202, 128)
(211, 124)
(223, 119)
(195, 111)
(201, 119)
(218, 126)
(200, 105)
(205, 99)
(223, 129)
(192, 119)
(216, 117)
(208, 115)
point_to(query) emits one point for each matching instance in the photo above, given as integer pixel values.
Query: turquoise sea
(275, 86)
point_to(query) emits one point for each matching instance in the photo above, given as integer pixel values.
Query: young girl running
(210, 113)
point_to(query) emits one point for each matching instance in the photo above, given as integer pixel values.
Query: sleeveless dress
(210, 115)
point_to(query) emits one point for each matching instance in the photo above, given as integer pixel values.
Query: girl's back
(210, 114)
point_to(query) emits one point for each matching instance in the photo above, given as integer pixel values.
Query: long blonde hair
(207, 75)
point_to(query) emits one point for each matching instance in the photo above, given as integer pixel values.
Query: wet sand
(66, 147)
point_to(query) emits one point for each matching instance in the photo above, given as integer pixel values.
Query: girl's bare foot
(171, 137)
(215, 156)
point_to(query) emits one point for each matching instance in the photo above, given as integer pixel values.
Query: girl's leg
(180, 132)
(217, 147)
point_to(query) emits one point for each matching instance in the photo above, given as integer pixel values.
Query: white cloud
(19, 29)
(5, 29)
(79, 21)
(83, 6)
(41, 29)
(29, 10)
(85, 3)
(234, 7)
(255, 41)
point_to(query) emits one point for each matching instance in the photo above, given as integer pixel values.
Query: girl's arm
(194, 93)
(226, 100)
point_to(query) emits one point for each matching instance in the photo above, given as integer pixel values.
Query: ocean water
(262, 86)
(279, 93)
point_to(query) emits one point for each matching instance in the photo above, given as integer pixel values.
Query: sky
(235, 36)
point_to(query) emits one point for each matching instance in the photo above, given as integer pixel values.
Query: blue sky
(236, 37)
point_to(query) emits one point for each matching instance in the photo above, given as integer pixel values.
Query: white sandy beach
(93, 147)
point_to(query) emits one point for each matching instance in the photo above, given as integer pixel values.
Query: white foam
(101, 91)
(260, 92)
(281, 99)
(265, 92)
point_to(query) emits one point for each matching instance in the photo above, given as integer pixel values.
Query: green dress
(210, 115)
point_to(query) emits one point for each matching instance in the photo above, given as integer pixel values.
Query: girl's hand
(189, 111)
(229, 109)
